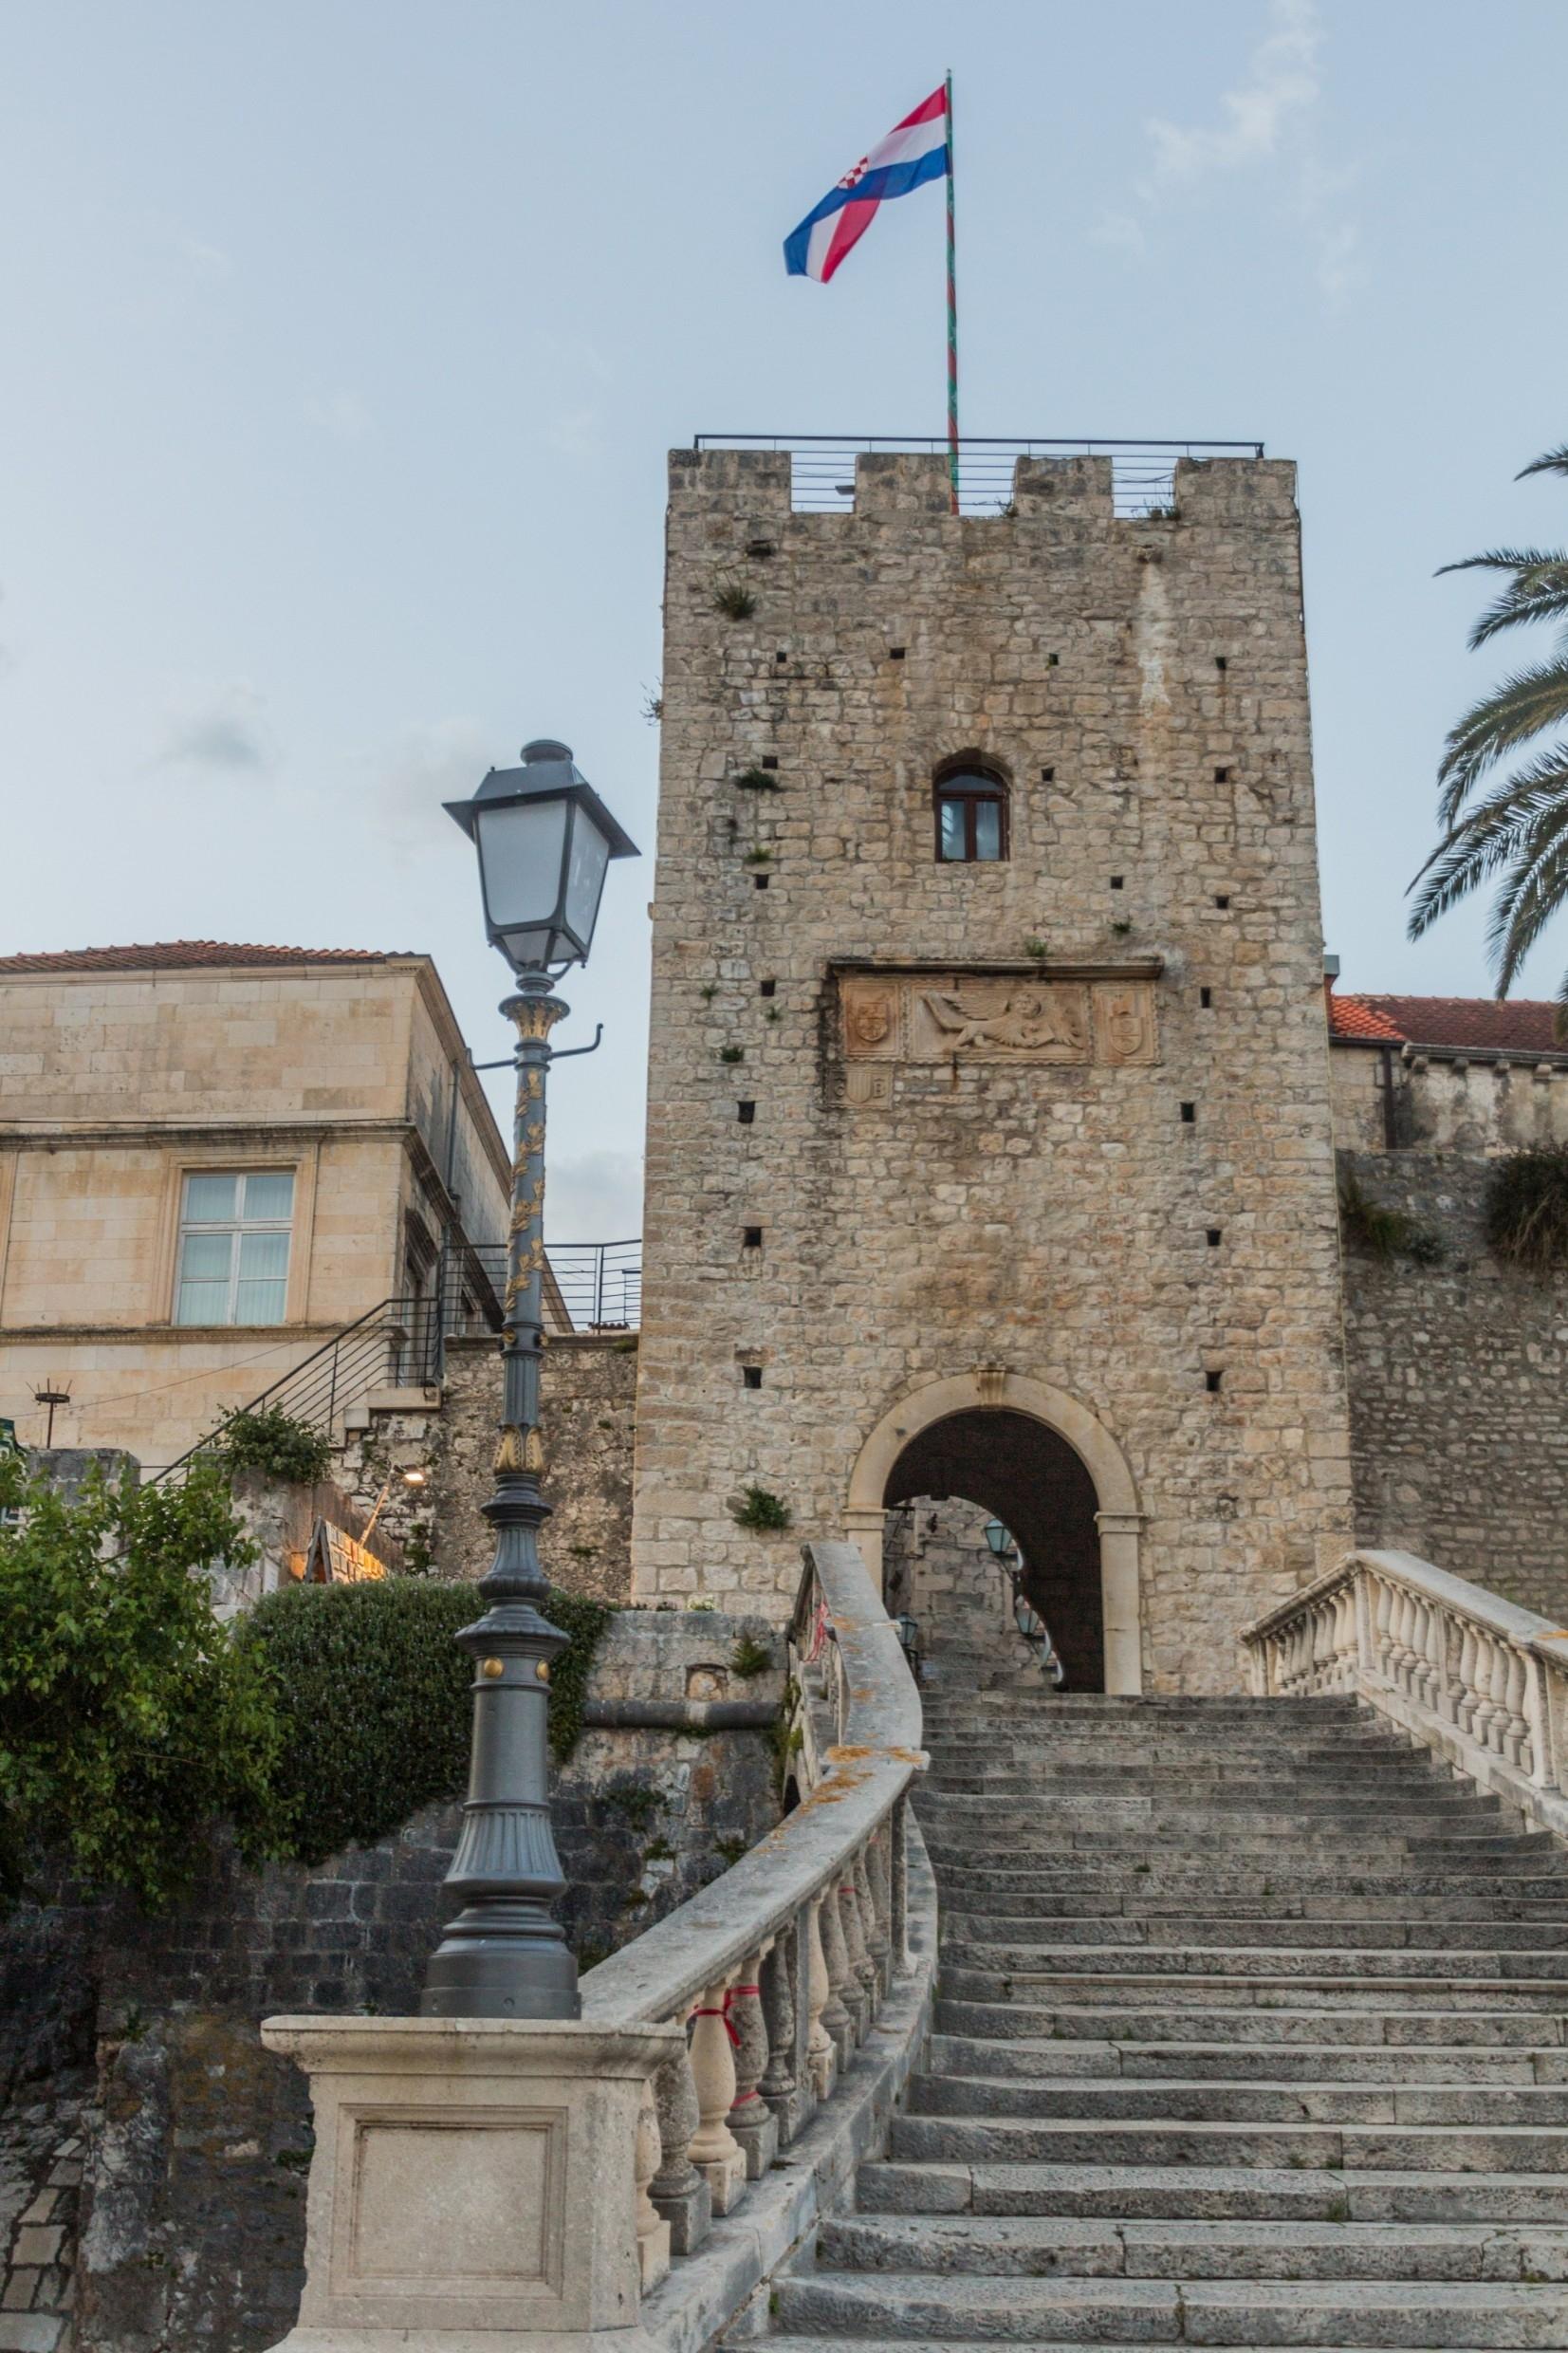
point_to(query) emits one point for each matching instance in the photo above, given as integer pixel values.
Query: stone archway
(1118, 1517)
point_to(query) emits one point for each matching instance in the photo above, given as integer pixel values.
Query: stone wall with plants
(191, 2227)
(1456, 1343)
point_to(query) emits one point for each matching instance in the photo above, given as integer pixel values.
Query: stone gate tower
(988, 1148)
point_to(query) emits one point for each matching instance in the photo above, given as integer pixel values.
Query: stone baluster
(858, 1996)
(1483, 1714)
(1383, 1637)
(785, 2085)
(1516, 1729)
(752, 2121)
(881, 1935)
(838, 2014)
(898, 1886)
(821, 2049)
(652, 2231)
(1433, 1659)
(1469, 1679)
(875, 1979)
(678, 2191)
(716, 2152)
(1453, 1701)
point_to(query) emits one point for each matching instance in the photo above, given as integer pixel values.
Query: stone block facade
(1458, 1372)
(1050, 1132)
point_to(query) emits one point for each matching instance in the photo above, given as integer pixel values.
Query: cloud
(208, 262)
(344, 415)
(223, 727)
(1280, 80)
(1268, 122)
(595, 1197)
(412, 775)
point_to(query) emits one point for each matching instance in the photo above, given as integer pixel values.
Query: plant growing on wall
(758, 1510)
(733, 598)
(130, 1719)
(373, 1695)
(751, 1658)
(756, 780)
(267, 1439)
(1383, 1233)
(1526, 1209)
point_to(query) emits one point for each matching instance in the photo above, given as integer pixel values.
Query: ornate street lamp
(545, 840)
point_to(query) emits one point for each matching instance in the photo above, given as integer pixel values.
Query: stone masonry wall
(1142, 687)
(1458, 1376)
(586, 1396)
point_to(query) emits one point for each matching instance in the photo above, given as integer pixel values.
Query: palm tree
(1515, 832)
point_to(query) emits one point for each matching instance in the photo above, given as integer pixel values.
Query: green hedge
(374, 1697)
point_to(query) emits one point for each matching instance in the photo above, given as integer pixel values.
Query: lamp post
(545, 840)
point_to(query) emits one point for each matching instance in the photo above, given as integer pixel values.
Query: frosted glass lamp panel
(211, 1200)
(520, 849)
(263, 1287)
(268, 1194)
(590, 856)
(205, 1262)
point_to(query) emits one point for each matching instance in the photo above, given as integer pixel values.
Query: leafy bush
(274, 1441)
(757, 1508)
(755, 780)
(374, 1697)
(130, 1719)
(751, 1658)
(1526, 1208)
(1383, 1233)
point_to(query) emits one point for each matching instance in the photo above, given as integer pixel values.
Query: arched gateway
(1045, 1465)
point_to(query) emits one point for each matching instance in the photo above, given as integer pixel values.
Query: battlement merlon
(756, 488)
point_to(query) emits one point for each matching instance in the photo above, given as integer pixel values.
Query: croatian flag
(913, 153)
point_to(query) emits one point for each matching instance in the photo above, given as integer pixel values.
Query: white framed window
(234, 1228)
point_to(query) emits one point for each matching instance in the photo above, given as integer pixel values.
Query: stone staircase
(1252, 2031)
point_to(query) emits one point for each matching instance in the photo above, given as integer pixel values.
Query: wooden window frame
(971, 787)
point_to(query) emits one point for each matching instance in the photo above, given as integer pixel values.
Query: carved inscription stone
(990, 1017)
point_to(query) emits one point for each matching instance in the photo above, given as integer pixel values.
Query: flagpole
(952, 323)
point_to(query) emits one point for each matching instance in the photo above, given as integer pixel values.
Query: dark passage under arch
(1021, 1471)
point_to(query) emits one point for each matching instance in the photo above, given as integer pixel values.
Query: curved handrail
(876, 1756)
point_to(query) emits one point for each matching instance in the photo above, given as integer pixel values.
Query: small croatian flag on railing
(913, 153)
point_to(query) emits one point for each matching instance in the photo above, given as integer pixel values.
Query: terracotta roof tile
(1518, 1026)
(178, 955)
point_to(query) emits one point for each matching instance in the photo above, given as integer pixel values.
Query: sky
(343, 344)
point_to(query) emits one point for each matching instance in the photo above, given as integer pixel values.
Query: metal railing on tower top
(1142, 473)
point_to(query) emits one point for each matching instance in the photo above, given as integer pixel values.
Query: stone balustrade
(616, 2146)
(1479, 1679)
(779, 1970)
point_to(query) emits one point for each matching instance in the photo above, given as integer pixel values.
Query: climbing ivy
(374, 1697)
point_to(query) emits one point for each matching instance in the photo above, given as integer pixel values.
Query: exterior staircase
(1252, 2031)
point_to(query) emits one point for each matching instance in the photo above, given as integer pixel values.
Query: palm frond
(1539, 593)
(1554, 462)
(1504, 560)
(1520, 708)
(1526, 904)
(1523, 811)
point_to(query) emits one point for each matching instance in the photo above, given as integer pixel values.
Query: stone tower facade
(976, 1175)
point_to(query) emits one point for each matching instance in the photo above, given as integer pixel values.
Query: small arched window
(971, 815)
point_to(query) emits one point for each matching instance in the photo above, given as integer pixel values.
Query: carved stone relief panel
(990, 1017)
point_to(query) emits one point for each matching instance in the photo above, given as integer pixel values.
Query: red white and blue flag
(912, 153)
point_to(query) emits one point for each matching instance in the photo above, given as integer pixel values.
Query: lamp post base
(474, 2185)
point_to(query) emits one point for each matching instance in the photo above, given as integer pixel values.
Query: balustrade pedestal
(473, 2177)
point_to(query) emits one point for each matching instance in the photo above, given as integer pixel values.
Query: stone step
(1331, 1962)
(1224, 2099)
(1253, 2014)
(1065, 2141)
(1395, 1847)
(1027, 1776)
(1472, 1876)
(956, 2309)
(1405, 1816)
(1214, 2193)
(1266, 2060)
(1034, 2247)
(1137, 1901)
(988, 1930)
